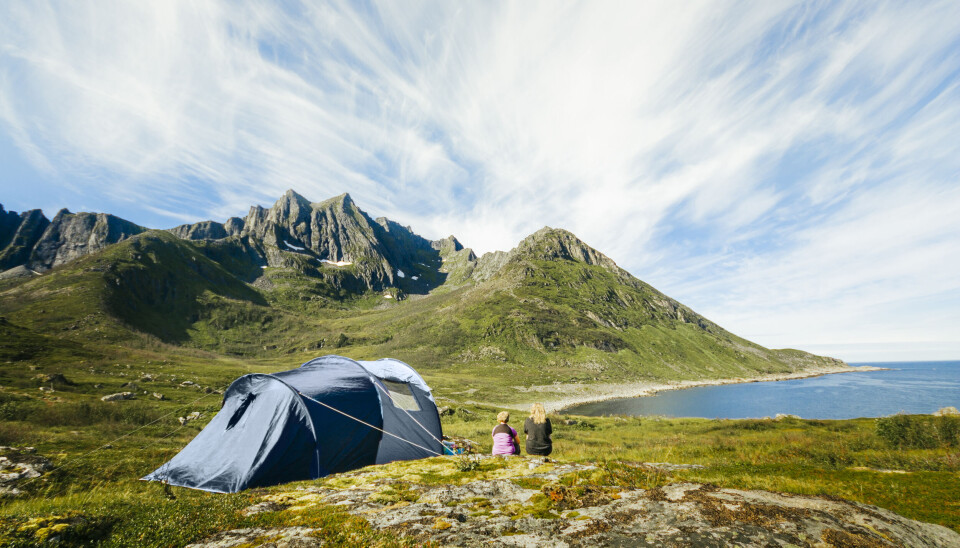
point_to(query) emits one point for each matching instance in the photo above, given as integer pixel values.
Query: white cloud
(766, 160)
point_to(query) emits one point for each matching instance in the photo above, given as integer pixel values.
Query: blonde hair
(537, 413)
(503, 416)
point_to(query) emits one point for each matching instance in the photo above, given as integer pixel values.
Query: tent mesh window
(401, 395)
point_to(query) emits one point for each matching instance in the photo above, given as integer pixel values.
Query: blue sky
(790, 170)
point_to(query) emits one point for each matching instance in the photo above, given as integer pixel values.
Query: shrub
(467, 462)
(918, 432)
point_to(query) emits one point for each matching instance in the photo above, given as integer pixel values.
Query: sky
(790, 170)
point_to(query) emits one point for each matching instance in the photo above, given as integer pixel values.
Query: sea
(908, 387)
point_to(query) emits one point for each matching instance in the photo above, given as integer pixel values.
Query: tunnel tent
(331, 414)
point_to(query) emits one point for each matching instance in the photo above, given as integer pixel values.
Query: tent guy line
(349, 416)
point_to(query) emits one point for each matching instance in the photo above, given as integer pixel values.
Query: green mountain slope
(551, 310)
(557, 311)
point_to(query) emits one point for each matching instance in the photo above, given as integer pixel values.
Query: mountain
(18, 236)
(308, 277)
(34, 242)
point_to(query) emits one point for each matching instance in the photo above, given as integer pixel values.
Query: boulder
(191, 417)
(946, 411)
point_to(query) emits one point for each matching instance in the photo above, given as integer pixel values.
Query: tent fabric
(305, 424)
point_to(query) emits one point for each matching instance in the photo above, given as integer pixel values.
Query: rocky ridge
(328, 234)
(526, 501)
(31, 241)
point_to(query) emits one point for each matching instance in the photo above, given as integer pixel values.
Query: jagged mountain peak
(447, 245)
(18, 236)
(291, 194)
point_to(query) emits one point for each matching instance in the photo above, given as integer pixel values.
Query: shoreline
(576, 393)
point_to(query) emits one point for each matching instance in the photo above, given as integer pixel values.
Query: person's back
(504, 437)
(538, 429)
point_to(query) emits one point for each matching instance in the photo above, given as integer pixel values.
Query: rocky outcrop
(209, 230)
(204, 230)
(233, 226)
(17, 464)
(447, 245)
(21, 233)
(118, 396)
(336, 233)
(18, 272)
(489, 264)
(530, 502)
(457, 262)
(553, 244)
(9, 221)
(73, 235)
(546, 244)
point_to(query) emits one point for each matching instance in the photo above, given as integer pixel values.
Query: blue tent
(332, 414)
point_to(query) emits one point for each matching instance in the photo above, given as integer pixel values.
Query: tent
(331, 414)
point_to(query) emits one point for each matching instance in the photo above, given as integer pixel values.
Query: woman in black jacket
(538, 429)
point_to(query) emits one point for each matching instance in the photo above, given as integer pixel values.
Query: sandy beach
(567, 394)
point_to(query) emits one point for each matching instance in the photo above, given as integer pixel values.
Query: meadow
(908, 464)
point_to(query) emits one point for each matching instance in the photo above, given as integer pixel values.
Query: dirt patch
(720, 513)
(845, 539)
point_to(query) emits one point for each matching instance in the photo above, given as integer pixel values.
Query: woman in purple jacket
(505, 440)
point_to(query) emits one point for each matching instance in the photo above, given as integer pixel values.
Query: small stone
(158, 395)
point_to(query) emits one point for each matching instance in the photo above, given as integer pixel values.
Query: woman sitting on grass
(537, 428)
(505, 441)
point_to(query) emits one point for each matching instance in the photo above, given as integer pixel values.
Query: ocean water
(911, 387)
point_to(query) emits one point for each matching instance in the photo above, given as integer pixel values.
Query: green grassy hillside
(554, 311)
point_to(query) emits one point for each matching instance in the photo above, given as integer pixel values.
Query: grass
(95, 496)
(852, 459)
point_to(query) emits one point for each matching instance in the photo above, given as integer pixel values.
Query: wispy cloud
(788, 169)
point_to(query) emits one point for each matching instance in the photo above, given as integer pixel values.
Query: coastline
(576, 393)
